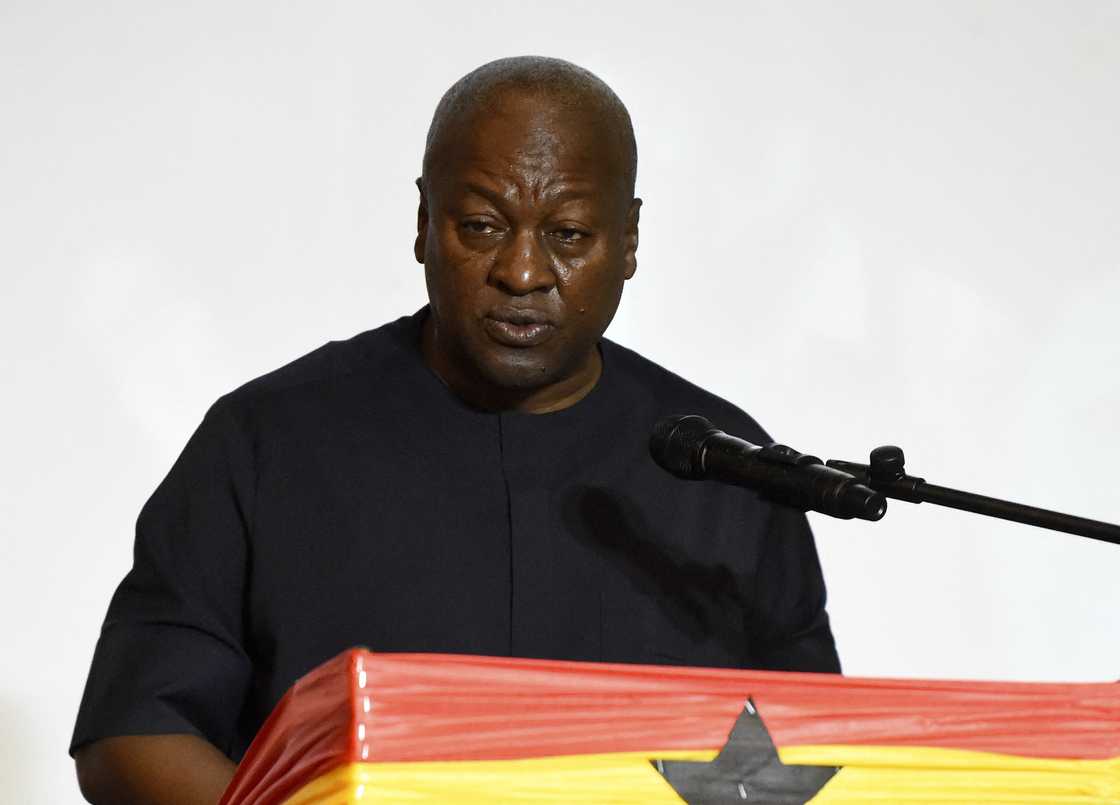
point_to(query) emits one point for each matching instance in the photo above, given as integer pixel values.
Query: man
(473, 478)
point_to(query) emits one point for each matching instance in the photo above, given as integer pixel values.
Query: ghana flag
(368, 727)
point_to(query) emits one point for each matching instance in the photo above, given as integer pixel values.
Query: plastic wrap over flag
(417, 728)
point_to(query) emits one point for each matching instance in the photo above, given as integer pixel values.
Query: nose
(523, 266)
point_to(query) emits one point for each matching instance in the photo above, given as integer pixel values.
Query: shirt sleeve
(791, 621)
(170, 658)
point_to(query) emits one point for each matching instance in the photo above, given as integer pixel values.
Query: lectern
(416, 728)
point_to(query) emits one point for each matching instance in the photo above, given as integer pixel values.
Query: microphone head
(677, 442)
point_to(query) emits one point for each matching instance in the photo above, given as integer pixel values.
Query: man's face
(527, 232)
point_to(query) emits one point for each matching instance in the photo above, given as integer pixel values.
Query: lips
(518, 327)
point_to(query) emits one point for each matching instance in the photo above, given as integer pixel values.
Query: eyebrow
(486, 192)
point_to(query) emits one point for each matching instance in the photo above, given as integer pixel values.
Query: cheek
(576, 271)
(593, 281)
(453, 272)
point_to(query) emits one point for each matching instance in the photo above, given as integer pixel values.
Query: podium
(423, 728)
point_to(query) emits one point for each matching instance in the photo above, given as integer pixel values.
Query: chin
(523, 374)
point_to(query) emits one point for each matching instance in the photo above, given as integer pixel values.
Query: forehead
(529, 138)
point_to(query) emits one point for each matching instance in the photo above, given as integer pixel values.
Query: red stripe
(441, 707)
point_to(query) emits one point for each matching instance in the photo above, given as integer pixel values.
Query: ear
(630, 242)
(421, 224)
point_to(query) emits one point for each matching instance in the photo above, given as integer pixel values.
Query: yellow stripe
(871, 774)
(930, 776)
(622, 778)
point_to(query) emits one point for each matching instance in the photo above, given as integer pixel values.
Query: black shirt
(350, 498)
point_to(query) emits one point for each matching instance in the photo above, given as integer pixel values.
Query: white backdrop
(865, 223)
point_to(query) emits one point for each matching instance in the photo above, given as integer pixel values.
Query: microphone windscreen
(676, 442)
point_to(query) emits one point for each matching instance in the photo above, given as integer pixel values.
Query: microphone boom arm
(886, 474)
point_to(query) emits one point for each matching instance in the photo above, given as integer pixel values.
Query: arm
(158, 769)
(170, 663)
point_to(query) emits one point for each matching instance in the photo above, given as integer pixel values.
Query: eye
(478, 226)
(568, 234)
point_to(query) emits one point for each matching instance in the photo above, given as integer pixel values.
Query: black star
(747, 770)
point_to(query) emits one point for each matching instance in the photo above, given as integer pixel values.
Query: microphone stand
(886, 474)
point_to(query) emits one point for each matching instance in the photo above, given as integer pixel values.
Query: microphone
(690, 447)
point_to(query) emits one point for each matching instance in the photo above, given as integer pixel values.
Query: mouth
(517, 327)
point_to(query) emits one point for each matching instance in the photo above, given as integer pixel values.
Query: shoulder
(656, 392)
(364, 354)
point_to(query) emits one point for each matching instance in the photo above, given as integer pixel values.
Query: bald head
(568, 87)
